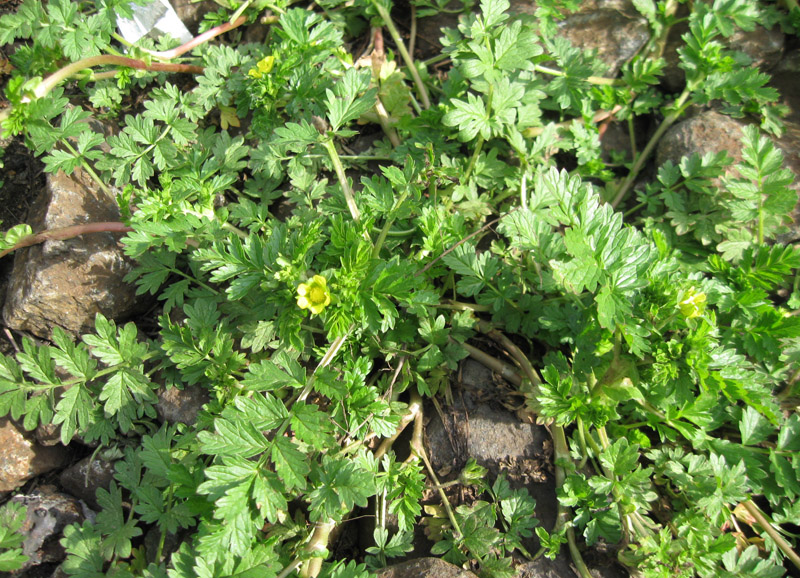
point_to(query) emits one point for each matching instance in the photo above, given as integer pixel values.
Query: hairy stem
(317, 543)
(762, 520)
(67, 233)
(669, 120)
(401, 47)
(60, 75)
(349, 196)
(418, 448)
(197, 40)
(590, 79)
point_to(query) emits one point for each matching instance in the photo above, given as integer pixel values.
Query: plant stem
(383, 118)
(418, 448)
(235, 22)
(669, 120)
(591, 79)
(414, 409)
(60, 75)
(503, 369)
(458, 306)
(333, 350)
(398, 40)
(317, 543)
(515, 352)
(68, 233)
(349, 196)
(787, 550)
(376, 251)
(561, 454)
(481, 140)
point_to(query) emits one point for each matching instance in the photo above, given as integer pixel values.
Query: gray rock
(66, 283)
(497, 439)
(21, 458)
(561, 567)
(83, 478)
(425, 568)
(544, 568)
(48, 434)
(615, 36)
(706, 132)
(494, 437)
(48, 513)
(181, 405)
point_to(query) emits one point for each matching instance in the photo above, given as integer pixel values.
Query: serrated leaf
(290, 463)
(339, 486)
(118, 529)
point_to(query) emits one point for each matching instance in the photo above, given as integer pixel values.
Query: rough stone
(706, 132)
(544, 568)
(425, 568)
(181, 405)
(83, 478)
(48, 513)
(497, 439)
(491, 436)
(66, 283)
(615, 36)
(21, 458)
(562, 567)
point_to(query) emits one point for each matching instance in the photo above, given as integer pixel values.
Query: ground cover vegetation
(320, 290)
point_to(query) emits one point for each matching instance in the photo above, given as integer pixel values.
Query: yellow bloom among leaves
(263, 66)
(314, 295)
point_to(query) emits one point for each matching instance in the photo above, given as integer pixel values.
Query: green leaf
(117, 528)
(84, 550)
(339, 485)
(12, 518)
(72, 411)
(346, 102)
(312, 426)
(754, 427)
(789, 434)
(290, 463)
(266, 376)
(75, 359)
(234, 437)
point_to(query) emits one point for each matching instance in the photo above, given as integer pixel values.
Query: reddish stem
(200, 39)
(68, 233)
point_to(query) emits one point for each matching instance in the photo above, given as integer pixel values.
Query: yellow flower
(314, 295)
(263, 66)
(693, 305)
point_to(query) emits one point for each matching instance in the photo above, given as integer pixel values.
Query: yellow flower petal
(314, 295)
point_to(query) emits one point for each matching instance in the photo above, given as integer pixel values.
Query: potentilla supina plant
(314, 295)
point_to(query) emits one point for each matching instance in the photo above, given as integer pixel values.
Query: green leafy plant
(327, 234)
